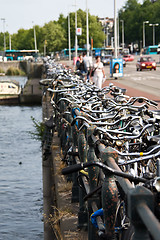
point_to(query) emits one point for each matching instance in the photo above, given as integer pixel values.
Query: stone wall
(5, 65)
(32, 70)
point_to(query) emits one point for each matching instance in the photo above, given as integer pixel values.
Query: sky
(27, 13)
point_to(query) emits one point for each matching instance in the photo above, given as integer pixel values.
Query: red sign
(79, 31)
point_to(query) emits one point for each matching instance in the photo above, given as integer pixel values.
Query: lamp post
(104, 31)
(3, 19)
(35, 41)
(154, 25)
(144, 33)
(87, 28)
(107, 37)
(118, 35)
(115, 29)
(122, 21)
(75, 31)
(69, 37)
(10, 44)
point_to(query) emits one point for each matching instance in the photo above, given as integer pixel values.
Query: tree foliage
(134, 14)
(55, 34)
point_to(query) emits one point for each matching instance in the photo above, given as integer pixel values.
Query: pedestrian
(88, 61)
(81, 65)
(99, 73)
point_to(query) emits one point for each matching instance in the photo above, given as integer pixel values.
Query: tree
(54, 34)
(131, 14)
(134, 14)
(95, 29)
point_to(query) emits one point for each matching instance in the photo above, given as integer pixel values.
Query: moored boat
(9, 91)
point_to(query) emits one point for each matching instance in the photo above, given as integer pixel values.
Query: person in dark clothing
(81, 65)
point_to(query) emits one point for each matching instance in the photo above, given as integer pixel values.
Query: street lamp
(35, 41)
(115, 29)
(153, 25)
(122, 21)
(144, 33)
(87, 28)
(10, 47)
(75, 31)
(104, 31)
(3, 19)
(69, 37)
(107, 42)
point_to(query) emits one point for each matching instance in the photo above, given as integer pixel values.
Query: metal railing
(128, 205)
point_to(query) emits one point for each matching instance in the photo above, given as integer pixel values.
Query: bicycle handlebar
(81, 166)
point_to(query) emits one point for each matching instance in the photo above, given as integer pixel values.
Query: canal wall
(32, 70)
(31, 93)
(60, 215)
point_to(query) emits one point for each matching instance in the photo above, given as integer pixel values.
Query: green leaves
(134, 14)
(54, 34)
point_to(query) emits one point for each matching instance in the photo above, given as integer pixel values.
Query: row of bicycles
(111, 148)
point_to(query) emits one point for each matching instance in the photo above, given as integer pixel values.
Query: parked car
(128, 58)
(106, 59)
(145, 63)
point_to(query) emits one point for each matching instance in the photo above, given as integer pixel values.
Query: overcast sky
(26, 13)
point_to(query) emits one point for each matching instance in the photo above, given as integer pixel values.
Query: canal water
(21, 200)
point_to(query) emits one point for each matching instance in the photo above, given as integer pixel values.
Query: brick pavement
(132, 92)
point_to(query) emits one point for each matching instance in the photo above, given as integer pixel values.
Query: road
(145, 83)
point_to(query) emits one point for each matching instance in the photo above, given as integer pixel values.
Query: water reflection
(20, 184)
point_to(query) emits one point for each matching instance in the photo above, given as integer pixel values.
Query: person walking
(99, 73)
(89, 64)
(81, 65)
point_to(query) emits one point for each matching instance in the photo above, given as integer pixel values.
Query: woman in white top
(99, 73)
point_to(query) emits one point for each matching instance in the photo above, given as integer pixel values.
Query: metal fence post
(136, 197)
(82, 213)
(109, 195)
(82, 150)
(82, 147)
(93, 177)
(75, 187)
(91, 157)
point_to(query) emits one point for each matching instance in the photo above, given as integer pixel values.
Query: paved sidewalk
(133, 92)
